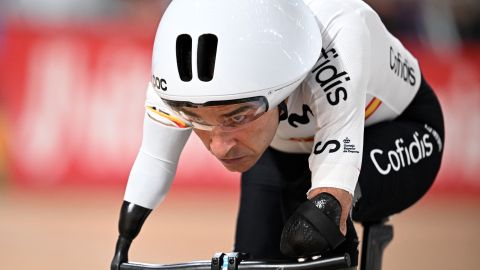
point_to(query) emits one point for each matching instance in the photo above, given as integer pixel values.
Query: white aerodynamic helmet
(208, 52)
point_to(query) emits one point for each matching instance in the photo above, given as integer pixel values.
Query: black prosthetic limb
(132, 217)
(313, 229)
(349, 246)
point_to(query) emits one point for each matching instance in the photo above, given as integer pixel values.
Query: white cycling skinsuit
(364, 76)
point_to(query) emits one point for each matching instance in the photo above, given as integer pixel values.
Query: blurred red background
(72, 108)
(72, 92)
(72, 104)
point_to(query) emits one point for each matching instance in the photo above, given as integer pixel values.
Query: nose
(221, 142)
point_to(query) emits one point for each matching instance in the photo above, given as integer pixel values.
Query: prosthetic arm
(313, 230)
(149, 181)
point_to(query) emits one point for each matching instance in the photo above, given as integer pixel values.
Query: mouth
(231, 160)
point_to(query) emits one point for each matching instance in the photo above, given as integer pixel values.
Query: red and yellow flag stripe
(372, 107)
(177, 121)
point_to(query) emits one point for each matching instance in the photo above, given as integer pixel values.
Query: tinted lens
(228, 115)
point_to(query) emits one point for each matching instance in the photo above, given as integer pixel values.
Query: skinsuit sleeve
(164, 137)
(338, 85)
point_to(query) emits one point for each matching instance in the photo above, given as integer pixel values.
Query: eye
(238, 119)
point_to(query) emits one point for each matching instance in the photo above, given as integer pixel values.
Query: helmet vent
(206, 54)
(184, 57)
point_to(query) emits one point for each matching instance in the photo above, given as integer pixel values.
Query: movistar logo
(301, 119)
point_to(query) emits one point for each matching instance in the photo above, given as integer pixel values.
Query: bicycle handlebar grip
(132, 217)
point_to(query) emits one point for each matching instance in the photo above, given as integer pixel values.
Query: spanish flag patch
(372, 107)
(175, 120)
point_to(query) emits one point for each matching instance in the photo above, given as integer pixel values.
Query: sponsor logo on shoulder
(334, 145)
(331, 79)
(400, 66)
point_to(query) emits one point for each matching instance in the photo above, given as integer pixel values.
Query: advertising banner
(71, 109)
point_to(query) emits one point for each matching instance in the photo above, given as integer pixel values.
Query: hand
(345, 199)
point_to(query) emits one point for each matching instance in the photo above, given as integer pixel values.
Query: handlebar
(376, 237)
(339, 262)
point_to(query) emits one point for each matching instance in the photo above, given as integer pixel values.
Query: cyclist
(325, 113)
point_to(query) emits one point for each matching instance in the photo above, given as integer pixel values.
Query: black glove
(132, 217)
(313, 229)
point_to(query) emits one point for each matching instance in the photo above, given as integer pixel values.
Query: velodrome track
(75, 229)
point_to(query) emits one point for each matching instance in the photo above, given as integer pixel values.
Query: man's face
(238, 149)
